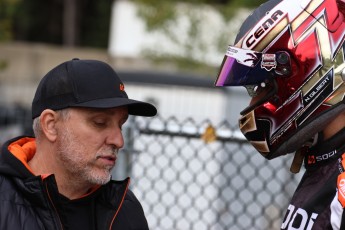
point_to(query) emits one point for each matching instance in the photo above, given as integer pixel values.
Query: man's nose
(115, 137)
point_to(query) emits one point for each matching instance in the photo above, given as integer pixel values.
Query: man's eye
(100, 123)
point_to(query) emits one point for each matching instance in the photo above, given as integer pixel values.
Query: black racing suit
(318, 201)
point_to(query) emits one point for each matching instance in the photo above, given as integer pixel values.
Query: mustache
(108, 151)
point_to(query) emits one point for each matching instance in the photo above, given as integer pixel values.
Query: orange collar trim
(24, 149)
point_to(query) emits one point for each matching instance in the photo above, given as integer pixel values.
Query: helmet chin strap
(299, 139)
(312, 128)
(297, 161)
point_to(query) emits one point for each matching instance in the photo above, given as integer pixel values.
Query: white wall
(193, 102)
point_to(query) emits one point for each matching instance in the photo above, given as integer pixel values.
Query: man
(61, 179)
(289, 55)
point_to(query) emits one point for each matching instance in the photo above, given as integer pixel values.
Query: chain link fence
(186, 180)
(194, 176)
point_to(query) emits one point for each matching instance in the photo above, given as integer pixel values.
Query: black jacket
(33, 202)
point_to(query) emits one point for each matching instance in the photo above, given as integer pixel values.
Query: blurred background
(191, 168)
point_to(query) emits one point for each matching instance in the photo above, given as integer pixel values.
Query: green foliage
(3, 65)
(228, 10)
(156, 13)
(183, 63)
(247, 3)
(95, 24)
(7, 11)
(42, 21)
(38, 21)
(159, 15)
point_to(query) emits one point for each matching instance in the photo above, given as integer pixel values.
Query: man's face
(88, 142)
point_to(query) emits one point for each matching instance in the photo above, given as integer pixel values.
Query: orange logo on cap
(122, 87)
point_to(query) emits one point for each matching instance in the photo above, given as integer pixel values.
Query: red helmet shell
(311, 33)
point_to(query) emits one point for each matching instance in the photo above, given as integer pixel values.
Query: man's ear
(48, 120)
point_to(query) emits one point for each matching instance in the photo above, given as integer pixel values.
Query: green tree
(65, 22)
(7, 11)
(159, 15)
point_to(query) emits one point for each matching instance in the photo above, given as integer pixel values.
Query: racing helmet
(289, 55)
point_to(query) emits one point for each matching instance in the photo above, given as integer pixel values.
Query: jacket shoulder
(15, 210)
(8, 190)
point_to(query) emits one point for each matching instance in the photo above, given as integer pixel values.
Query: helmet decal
(322, 80)
(261, 30)
(268, 62)
(274, 21)
(245, 57)
(286, 13)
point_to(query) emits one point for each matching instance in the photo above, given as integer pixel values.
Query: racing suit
(318, 201)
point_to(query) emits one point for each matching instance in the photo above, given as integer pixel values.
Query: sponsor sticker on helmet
(243, 56)
(268, 61)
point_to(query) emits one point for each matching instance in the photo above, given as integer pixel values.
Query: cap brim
(137, 108)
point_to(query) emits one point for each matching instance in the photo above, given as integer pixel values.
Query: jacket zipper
(118, 209)
(52, 203)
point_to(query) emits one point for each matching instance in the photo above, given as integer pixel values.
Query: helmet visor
(240, 67)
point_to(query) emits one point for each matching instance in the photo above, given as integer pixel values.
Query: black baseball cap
(85, 83)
